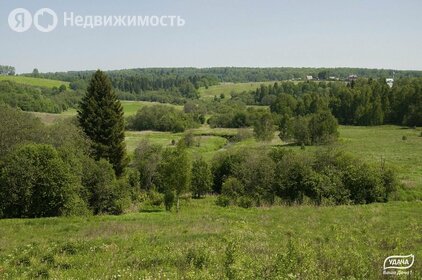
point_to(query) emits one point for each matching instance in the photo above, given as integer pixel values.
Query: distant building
(390, 82)
(309, 78)
(352, 78)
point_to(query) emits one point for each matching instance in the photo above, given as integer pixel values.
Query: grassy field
(34, 81)
(228, 88)
(129, 108)
(386, 143)
(204, 241)
(206, 145)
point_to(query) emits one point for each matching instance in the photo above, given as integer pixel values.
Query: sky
(264, 33)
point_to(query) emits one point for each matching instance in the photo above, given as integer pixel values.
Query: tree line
(214, 75)
(38, 99)
(361, 102)
(7, 70)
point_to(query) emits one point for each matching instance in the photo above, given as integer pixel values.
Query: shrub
(100, 183)
(169, 199)
(323, 127)
(161, 118)
(35, 182)
(222, 201)
(155, 198)
(327, 177)
(223, 166)
(245, 202)
(17, 128)
(232, 188)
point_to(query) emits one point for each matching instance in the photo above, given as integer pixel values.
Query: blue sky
(299, 33)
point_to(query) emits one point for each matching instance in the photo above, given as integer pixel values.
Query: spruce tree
(101, 117)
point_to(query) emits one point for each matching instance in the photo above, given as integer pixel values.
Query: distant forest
(142, 79)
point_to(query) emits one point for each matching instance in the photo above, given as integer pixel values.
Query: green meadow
(204, 241)
(38, 82)
(228, 88)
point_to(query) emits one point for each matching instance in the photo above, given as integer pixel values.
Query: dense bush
(237, 116)
(35, 182)
(324, 177)
(18, 128)
(161, 118)
(56, 175)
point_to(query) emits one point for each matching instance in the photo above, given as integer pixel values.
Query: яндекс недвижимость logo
(20, 20)
(46, 20)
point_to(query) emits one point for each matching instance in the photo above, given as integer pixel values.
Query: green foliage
(35, 182)
(155, 198)
(235, 115)
(38, 99)
(245, 174)
(264, 128)
(223, 166)
(98, 178)
(222, 201)
(300, 131)
(17, 128)
(146, 160)
(326, 177)
(201, 180)
(232, 188)
(188, 140)
(161, 118)
(174, 172)
(169, 200)
(83, 184)
(101, 118)
(313, 129)
(322, 127)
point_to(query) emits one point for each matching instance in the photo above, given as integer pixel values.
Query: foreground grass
(204, 241)
(38, 82)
